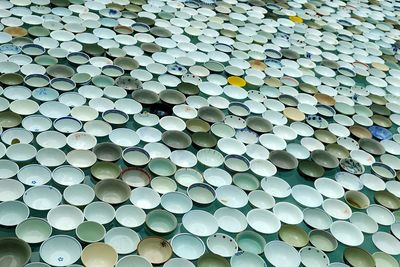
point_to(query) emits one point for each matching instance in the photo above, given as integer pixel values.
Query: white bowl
(163, 185)
(261, 199)
(381, 215)
(176, 202)
(386, 243)
(124, 137)
(8, 168)
(130, 216)
(11, 190)
(313, 257)
(257, 151)
(276, 187)
(65, 217)
(188, 246)
(210, 157)
(20, 134)
(122, 239)
(135, 156)
(217, 177)
(232, 196)
(183, 158)
(244, 258)
(81, 140)
(337, 209)
(280, 254)
(222, 245)
(13, 213)
(50, 157)
(79, 194)
(200, 223)
(81, 158)
(317, 218)
(97, 128)
(34, 175)
(99, 212)
(307, 196)
(178, 262)
(187, 176)
(384, 259)
(67, 175)
(169, 123)
(262, 167)
(51, 139)
(347, 233)
(348, 181)
(230, 220)
(364, 222)
(329, 187)
(288, 213)
(145, 198)
(21, 152)
(231, 146)
(372, 182)
(60, 250)
(263, 221)
(67, 124)
(298, 151)
(272, 142)
(157, 150)
(42, 197)
(395, 229)
(133, 260)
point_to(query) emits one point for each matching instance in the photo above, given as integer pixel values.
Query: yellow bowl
(236, 81)
(99, 255)
(296, 19)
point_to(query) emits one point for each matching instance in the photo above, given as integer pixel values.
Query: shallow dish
(387, 199)
(358, 257)
(100, 212)
(311, 256)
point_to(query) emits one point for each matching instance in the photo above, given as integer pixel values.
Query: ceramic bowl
(34, 175)
(135, 177)
(278, 253)
(99, 212)
(329, 188)
(288, 213)
(65, 217)
(81, 140)
(179, 262)
(324, 159)
(33, 230)
(67, 175)
(14, 252)
(364, 222)
(231, 196)
(60, 250)
(155, 249)
(323, 240)
(380, 214)
(387, 199)
(250, 241)
(293, 235)
(243, 258)
(201, 194)
(131, 260)
(383, 171)
(161, 221)
(130, 216)
(357, 200)
(307, 196)
(317, 218)
(78, 195)
(221, 244)
(122, 239)
(386, 243)
(188, 246)
(382, 258)
(371, 146)
(124, 137)
(112, 191)
(42, 197)
(230, 220)
(196, 218)
(187, 177)
(11, 190)
(90, 232)
(263, 221)
(163, 185)
(81, 158)
(176, 139)
(283, 160)
(210, 259)
(341, 231)
(162, 167)
(358, 257)
(310, 170)
(145, 198)
(21, 152)
(105, 170)
(13, 213)
(99, 254)
(51, 139)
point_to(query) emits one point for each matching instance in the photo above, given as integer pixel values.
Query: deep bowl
(155, 249)
(14, 252)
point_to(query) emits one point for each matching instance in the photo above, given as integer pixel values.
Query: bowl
(250, 241)
(33, 230)
(163, 185)
(50, 157)
(230, 220)
(105, 170)
(155, 249)
(310, 170)
(107, 151)
(178, 262)
(323, 240)
(371, 146)
(223, 245)
(324, 159)
(329, 187)
(357, 200)
(387, 243)
(11, 190)
(34, 175)
(383, 171)
(188, 246)
(130, 216)
(387, 199)
(278, 253)
(197, 125)
(81, 158)
(283, 160)
(259, 124)
(135, 156)
(60, 250)
(231, 196)
(161, 222)
(42, 197)
(364, 222)
(307, 196)
(384, 259)
(187, 177)
(263, 221)
(337, 209)
(200, 223)
(135, 177)
(358, 257)
(317, 218)
(65, 217)
(14, 252)
(176, 202)
(145, 198)
(243, 258)
(78, 195)
(132, 260)
(13, 213)
(276, 187)
(67, 175)
(99, 254)
(176, 139)
(210, 157)
(293, 235)
(201, 193)
(210, 259)
(124, 137)
(99, 212)
(162, 167)
(22, 153)
(381, 215)
(122, 239)
(288, 213)
(81, 140)
(112, 191)
(311, 256)
(90, 232)
(347, 233)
